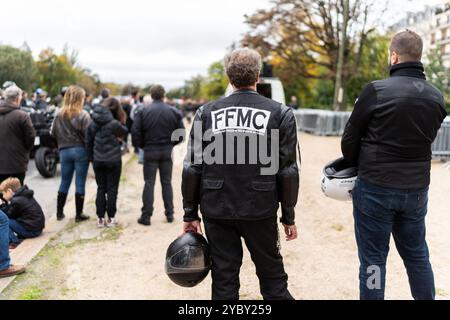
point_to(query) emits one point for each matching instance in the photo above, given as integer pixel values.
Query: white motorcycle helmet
(339, 180)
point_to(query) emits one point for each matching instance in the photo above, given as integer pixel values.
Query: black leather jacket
(154, 125)
(70, 133)
(239, 190)
(103, 136)
(392, 127)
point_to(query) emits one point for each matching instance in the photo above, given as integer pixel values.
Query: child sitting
(26, 219)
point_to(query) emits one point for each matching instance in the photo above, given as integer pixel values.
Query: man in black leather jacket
(238, 192)
(152, 131)
(389, 137)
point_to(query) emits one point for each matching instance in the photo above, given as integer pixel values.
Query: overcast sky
(140, 41)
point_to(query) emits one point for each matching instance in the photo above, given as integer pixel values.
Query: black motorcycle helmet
(187, 260)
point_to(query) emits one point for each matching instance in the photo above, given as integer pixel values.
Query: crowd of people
(387, 142)
(87, 131)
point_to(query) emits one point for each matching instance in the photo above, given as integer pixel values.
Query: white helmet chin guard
(339, 180)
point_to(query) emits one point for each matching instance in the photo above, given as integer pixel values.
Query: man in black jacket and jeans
(237, 186)
(152, 131)
(389, 137)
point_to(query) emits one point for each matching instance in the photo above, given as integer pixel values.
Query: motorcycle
(46, 154)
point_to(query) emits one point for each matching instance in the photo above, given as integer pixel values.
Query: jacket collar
(413, 69)
(7, 107)
(244, 91)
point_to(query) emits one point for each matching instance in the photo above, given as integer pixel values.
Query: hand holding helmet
(339, 180)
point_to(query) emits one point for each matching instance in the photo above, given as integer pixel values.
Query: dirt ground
(128, 263)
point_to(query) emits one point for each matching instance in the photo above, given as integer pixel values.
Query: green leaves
(17, 65)
(438, 74)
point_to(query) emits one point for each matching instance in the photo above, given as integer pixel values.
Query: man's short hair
(408, 45)
(10, 183)
(12, 93)
(157, 92)
(105, 93)
(243, 67)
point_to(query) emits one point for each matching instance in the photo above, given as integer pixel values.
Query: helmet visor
(188, 259)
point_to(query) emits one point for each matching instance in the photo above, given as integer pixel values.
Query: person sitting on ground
(6, 268)
(26, 218)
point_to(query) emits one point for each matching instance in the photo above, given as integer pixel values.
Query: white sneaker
(101, 223)
(111, 223)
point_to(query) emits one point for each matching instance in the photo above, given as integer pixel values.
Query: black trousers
(154, 160)
(20, 176)
(107, 176)
(262, 240)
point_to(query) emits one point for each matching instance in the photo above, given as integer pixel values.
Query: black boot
(60, 203)
(79, 204)
(144, 220)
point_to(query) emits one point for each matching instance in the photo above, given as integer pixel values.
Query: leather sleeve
(192, 171)
(89, 142)
(288, 176)
(136, 131)
(357, 124)
(180, 126)
(29, 132)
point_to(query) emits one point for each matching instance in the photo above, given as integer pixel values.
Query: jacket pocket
(263, 186)
(211, 202)
(212, 184)
(264, 200)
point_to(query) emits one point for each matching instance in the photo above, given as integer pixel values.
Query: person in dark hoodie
(26, 218)
(103, 141)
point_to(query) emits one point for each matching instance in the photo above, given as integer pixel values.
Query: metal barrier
(441, 146)
(321, 122)
(332, 123)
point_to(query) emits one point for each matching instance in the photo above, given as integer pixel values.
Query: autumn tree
(438, 74)
(55, 71)
(17, 64)
(216, 82)
(302, 38)
(89, 81)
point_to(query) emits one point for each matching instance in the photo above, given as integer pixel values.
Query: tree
(373, 65)
(17, 65)
(438, 74)
(115, 88)
(216, 83)
(55, 71)
(305, 37)
(128, 88)
(200, 87)
(339, 88)
(89, 82)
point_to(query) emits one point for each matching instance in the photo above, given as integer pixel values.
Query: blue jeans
(73, 160)
(380, 212)
(17, 232)
(5, 260)
(141, 156)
